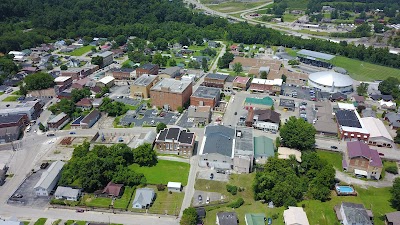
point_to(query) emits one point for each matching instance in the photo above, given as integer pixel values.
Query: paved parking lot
(309, 112)
(149, 118)
(29, 198)
(214, 196)
(126, 100)
(184, 121)
(302, 92)
(204, 173)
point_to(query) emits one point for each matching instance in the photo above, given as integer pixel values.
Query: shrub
(236, 204)
(275, 216)
(392, 169)
(232, 189)
(160, 187)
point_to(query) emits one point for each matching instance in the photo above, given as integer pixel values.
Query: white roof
(16, 53)
(267, 82)
(10, 222)
(360, 172)
(174, 185)
(106, 79)
(331, 78)
(67, 192)
(48, 177)
(295, 216)
(61, 78)
(388, 104)
(57, 118)
(284, 153)
(346, 106)
(376, 128)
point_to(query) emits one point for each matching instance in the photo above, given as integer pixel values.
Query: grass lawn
(11, 98)
(228, 7)
(41, 221)
(91, 201)
(1, 93)
(80, 222)
(314, 32)
(69, 222)
(124, 201)
(287, 17)
(16, 93)
(26, 222)
(164, 172)
(364, 71)
(334, 158)
(80, 51)
(166, 202)
(67, 126)
(297, 4)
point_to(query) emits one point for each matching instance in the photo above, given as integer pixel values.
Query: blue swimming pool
(345, 189)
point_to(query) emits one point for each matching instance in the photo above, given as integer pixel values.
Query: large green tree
(144, 155)
(189, 216)
(395, 191)
(39, 81)
(297, 133)
(224, 61)
(237, 68)
(388, 86)
(362, 89)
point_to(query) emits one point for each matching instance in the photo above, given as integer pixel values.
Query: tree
(397, 138)
(120, 40)
(144, 155)
(395, 191)
(263, 75)
(97, 60)
(204, 64)
(224, 61)
(389, 85)
(283, 77)
(362, 89)
(22, 89)
(39, 81)
(172, 62)
(293, 62)
(237, 67)
(160, 127)
(63, 67)
(297, 133)
(42, 127)
(78, 94)
(180, 109)
(189, 216)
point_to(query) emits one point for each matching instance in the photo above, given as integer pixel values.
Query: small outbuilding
(174, 186)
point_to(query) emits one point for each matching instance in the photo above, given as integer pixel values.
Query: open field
(166, 203)
(334, 158)
(229, 7)
(164, 172)
(125, 201)
(287, 17)
(297, 4)
(11, 98)
(313, 32)
(80, 51)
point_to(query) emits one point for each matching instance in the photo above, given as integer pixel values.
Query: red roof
(84, 102)
(242, 80)
(113, 189)
(360, 149)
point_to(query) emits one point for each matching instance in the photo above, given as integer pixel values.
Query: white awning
(352, 135)
(358, 135)
(360, 172)
(365, 136)
(345, 134)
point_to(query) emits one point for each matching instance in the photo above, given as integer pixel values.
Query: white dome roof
(331, 78)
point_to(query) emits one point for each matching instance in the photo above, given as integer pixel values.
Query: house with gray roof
(144, 198)
(170, 72)
(200, 114)
(175, 140)
(368, 112)
(392, 218)
(67, 193)
(49, 179)
(227, 218)
(393, 119)
(352, 213)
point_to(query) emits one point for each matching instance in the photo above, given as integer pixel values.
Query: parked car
(17, 196)
(200, 198)
(211, 176)
(303, 103)
(80, 210)
(208, 200)
(334, 147)
(235, 113)
(269, 221)
(72, 132)
(381, 154)
(44, 165)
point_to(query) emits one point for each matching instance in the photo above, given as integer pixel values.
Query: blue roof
(77, 121)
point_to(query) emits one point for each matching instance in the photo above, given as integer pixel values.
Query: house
(234, 48)
(352, 213)
(113, 190)
(359, 99)
(175, 140)
(263, 119)
(200, 115)
(255, 218)
(227, 218)
(263, 149)
(295, 216)
(361, 160)
(386, 98)
(368, 112)
(142, 85)
(392, 218)
(67, 193)
(212, 44)
(170, 72)
(96, 103)
(80, 84)
(393, 119)
(217, 147)
(241, 83)
(337, 97)
(144, 198)
(11, 127)
(64, 95)
(378, 134)
(174, 186)
(31, 109)
(107, 81)
(387, 104)
(63, 83)
(285, 153)
(258, 103)
(84, 104)
(58, 121)
(266, 86)
(206, 96)
(151, 69)
(49, 179)
(90, 119)
(171, 94)
(350, 127)
(107, 56)
(215, 80)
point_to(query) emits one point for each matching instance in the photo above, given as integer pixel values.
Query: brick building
(147, 69)
(170, 93)
(214, 80)
(141, 86)
(206, 96)
(176, 141)
(58, 121)
(11, 126)
(63, 83)
(266, 86)
(241, 83)
(121, 73)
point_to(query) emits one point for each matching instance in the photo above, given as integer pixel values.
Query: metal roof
(57, 118)
(177, 86)
(318, 55)
(263, 146)
(331, 78)
(348, 118)
(145, 80)
(50, 175)
(207, 92)
(219, 139)
(376, 128)
(66, 192)
(260, 101)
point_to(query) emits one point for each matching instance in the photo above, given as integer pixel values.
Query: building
(107, 81)
(142, 85)
(243, 159)
(368, 112)
(80, 84)
(63, 83)
(206, 96)
(151, 69)
(393, 119)
(241, 83)
(144, 198)
(49, 179)
(31, 109)
(392, 218)
(263, 149)
(349, 125)
(174, 186)
(331, 81)
(266, 86)
(200, 115)
(107, 56)
(122, 73)
(215, 80)
(58, 121)
(287, 104)
(255, 218)
(324, 122)
(90, 119)
(315, 58)
(67, 193)
(285, 153)
(352, 213)
(97, 102)
(227, 218)
(378, 134)
(84, 104)
(170, 72)
(217, 148)
(361, 160)
(253, 65)
(12, 221)
(337, 97)
(295, 216)
(171, 94)
(263, 119)
(113, 190)
(176, 141)
(258, 103)
(12, 127)
(79, 72)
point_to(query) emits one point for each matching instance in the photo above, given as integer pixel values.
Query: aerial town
(201, 130)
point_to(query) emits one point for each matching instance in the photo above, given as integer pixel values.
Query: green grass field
(334, 158)
(166, 202)
(229, 7)
(11, 98)
(297, 4)
(41, 221)
(287, 17)
(125, 200)
(164, 172)
(91, 201)
(80, 51)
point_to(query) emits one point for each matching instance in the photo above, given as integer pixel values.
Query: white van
(28, 128)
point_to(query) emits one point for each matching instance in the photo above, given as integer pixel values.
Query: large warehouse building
(330, 81)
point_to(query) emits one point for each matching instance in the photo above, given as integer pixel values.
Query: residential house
(212, 44)
(358, 99)
(96, 103)
(266, 86)
(337, 97)
(80, 84)
(285, 153)
(378, 134)
(107, 56)
(30, 69)
(255, 218)
(368, 112)
(142, 85)
(263, 119)
(122, 73)
(170, 72)
(107, 81)
(11, 127)
(393, 119)
(241, 83)
(176, 141)
(353, 213)
(392, 218)
(58, 121)
(147, 69)
(295, 216)
(206, 96)
(200, 115)
(112, 190)
(215, 80)
(227, 218)
(361, 160)
(258, 103)
(263, 149)
(144, 198)
(49, 179)
(90, 119)
(171, 94)
(174, 186)
(84, 104)
(67, 193)
(386, 98)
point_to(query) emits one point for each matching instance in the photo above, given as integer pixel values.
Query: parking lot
(302, 92)
(199, 201)
(126, 100)
(184, 121)
(205, 173)
(29, 197)
(149, 117)
(307, 111)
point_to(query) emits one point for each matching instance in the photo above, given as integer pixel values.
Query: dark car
(80, 210)
(44, 165)
(200, 198)
(334, 147)
(72, 132)
(269, 221)
(8, 105)
(17, 196)
(235, 113)
(211, 176)
(381, 154)
(304, 103)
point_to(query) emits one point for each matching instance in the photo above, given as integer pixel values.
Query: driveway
(386, 182)
(213, 196)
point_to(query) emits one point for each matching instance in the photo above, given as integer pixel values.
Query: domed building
(331, 81)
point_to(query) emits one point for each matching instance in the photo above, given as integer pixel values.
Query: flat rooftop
(62, 78)
(171, 85)
(144, 80)
(348, 118)
(317, 55)
(207, 92)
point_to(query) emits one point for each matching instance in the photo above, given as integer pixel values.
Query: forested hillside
(28, 23)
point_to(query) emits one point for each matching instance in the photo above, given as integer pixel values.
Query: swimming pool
(345, 189)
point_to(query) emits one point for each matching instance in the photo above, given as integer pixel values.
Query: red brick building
(205, 96)
(147, 69)
(176, 141)
(214, 80)
(171, 93)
